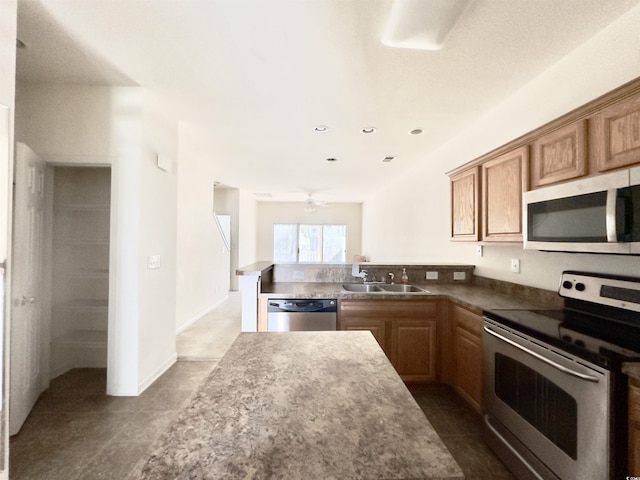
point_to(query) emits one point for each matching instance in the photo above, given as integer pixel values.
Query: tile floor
(76, 432)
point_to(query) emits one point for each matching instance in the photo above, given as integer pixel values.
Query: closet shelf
(84, 337)
(85, 305)
(83, 207)
(74, 242)
(88, 273)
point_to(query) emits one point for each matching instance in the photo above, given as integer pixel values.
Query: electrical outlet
(478, 250)
(459, 275)
(432, 275)
(515, 265)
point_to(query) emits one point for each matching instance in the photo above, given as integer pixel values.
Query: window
(309, 243)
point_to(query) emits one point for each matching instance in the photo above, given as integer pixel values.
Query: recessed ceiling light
(416, 131)
(388, 159)
(332, 160)
(320, 129)
(368, 130)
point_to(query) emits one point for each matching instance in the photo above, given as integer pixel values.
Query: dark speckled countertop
(302, 405)
(474, 297)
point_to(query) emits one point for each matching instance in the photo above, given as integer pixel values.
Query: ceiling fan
(310, 204)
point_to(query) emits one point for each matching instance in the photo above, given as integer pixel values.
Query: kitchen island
(302, 405)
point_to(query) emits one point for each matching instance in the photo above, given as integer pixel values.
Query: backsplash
(323, 273)
(532, 294)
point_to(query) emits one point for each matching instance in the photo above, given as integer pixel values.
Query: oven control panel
(614, 291)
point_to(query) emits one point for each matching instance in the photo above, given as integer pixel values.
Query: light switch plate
(154, 261)
(432, 275)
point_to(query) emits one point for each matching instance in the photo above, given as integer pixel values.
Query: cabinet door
(616, 135)
(413, 349)
(503, 180)
(375, 326)
(559, 155)
(465, 197)
(468, 367)
(467, 352)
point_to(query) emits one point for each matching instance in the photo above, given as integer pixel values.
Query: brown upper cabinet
(599, 136)
(504, 178)
(465, 200)
(560, 155)
(616, 135)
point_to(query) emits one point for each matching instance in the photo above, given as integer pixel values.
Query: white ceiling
(255, 76)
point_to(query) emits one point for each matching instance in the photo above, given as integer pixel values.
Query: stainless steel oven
(598, 214)
(554, 393)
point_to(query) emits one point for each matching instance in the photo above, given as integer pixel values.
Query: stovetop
(607, 344)
(600, 321)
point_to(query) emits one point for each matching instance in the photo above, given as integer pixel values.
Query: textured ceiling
(255, 76)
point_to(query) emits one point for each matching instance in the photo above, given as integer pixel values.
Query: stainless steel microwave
(597, 214)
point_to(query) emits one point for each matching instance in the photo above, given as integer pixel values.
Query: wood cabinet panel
(375, 326)
(468, 369)
(413, 349)
(467, 355)
(406, 329)
(616, 135)
(634, 428)
(465, 199)
(560, 155)
(504, 178)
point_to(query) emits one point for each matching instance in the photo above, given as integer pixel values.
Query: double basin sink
(383, 287)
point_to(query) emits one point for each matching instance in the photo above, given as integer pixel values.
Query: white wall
(349, 214)
(391, 232)
(247, 229)
(202, 267)
(227, 200)
(126, 128)
(8, 27)
(158, 236)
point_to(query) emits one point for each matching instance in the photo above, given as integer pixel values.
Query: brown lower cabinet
(406, 329)
(466, 354)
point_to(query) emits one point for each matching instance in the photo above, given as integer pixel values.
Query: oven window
(548, 408)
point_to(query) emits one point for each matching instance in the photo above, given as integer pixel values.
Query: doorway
(80, 268)
(61, 251)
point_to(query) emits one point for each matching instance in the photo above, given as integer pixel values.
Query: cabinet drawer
(466, 319)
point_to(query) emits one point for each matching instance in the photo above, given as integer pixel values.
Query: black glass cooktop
(603, 342)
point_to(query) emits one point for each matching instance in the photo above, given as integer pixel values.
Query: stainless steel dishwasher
(287, 315)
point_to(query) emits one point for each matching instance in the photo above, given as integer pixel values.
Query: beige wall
(420, 234)
(124, 127)
(202, 265)
(248, 229)
(349, 214)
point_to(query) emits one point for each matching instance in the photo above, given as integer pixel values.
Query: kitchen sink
(361, 288)
(399, 288)
(396, 287)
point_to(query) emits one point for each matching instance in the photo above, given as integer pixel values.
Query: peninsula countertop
(299, 405)
(473, 297)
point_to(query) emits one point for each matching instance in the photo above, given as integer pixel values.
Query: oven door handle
(556, 365)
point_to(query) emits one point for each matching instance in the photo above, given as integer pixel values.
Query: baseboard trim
(158, 373)
(182, 328)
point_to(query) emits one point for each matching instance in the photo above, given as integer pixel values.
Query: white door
(26, 268)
